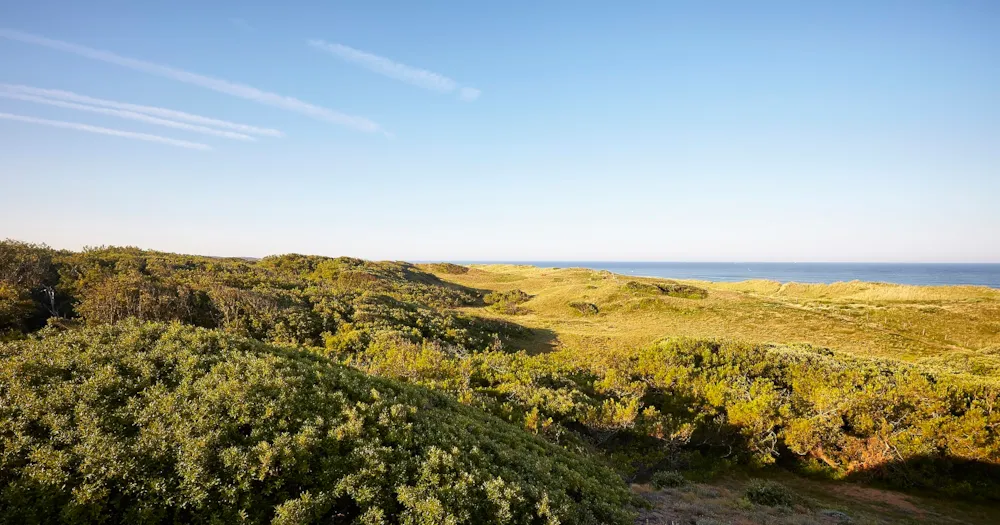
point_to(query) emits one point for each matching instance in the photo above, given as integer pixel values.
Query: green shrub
(507, 302)
(510, 296)
(584, 308)
(756, 404)
(667, 479)
(152, 423)
(684, 291)
(292, 298)
(670, 288)
(641, 288)
(508, 308)
(769, 493)
(448, 268)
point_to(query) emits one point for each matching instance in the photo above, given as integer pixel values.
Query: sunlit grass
(914, 323)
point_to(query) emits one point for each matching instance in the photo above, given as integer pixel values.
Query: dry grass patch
(911, 323)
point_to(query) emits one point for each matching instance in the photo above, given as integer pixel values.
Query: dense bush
(684, 291)
(28, 279)
(673, 289)
(449, 268)
(769, 493)
(584, 307)
(676, 404)
(506, 302)
(293, 298)
(679, 400)
(667, 479)
(150, 423)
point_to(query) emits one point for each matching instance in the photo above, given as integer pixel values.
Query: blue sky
(689, 131)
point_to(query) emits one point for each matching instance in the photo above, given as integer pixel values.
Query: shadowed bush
(661, 405)
(669, 288)
(769, 493)
(506, 302)
(667, 479)
(448, 268)
(584, 308)
(291, 298)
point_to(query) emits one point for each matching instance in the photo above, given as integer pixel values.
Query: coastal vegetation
(142, 386)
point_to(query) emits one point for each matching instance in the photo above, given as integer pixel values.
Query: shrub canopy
(153, 423)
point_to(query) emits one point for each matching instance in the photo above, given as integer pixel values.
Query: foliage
(671, 288)
(506, 302)
(908, 323)
(448, 268)
(584, 307)
(28, 281)
(693, 404)
(667, 479)
(754, 404)
(292, 298)
(769, 493)
(684, 291)
(150, 423)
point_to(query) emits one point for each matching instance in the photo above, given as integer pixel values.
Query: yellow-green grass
(914, 323)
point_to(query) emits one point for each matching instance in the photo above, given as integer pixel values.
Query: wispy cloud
(128, 115)
(421, 78)
(105, 131)
(215, 84)
(149, 110)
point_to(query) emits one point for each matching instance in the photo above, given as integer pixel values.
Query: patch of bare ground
(723, 502)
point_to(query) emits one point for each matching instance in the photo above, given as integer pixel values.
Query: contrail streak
(105, 131)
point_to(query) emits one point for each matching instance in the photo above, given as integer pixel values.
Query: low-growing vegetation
(224, 401)
(449, 268)
(293, 299)
(584, 308)
(148, 423)
(681, 403)
(508, 302)
(769, 493)
(671, 288)
(667, 478)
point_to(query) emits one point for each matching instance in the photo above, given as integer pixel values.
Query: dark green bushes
(292, 298)
(667, 479)
(769, 493)
(678, 404)
(584, 307)
(28, 280)
(683, 291)
(148, 423)
(681, 399)
(506, 302)
(448, 268)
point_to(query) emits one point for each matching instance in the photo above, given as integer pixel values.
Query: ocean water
(915, 273)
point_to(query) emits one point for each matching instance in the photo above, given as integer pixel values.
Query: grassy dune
(912, 323)
(850, 385)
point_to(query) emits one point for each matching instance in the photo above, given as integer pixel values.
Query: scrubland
(140, 386)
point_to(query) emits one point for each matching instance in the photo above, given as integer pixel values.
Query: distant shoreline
(916, 274)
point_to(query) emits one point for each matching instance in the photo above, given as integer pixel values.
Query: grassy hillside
(652, 379)
(913, 323)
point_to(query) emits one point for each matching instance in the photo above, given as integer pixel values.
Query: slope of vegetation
(148, 423)
(694, 404)
(932, 324)
(290, 299)
(586, 368)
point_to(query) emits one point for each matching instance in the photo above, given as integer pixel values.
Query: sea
(901, 273)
